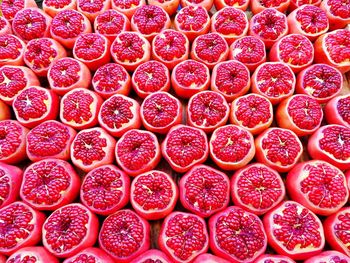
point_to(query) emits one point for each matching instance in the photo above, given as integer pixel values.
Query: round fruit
(231, 79)
(11, 50)
(69, 230)
(331, 143)
(91, 9)
(183, 237)
(337, 111)
(10, 182)
(294, 231)
(207, 110)
(52, 7)
(152, 255)
(299, 113)
(207, 4)
(90, 254)
(267, 258)
(257, 6)
(184, 147)
(239, 4)
(105, 190)
(5, 26)
(31, 254)
(338, 13)
(237, 235)
(204, 190)
(278, 148)
(328, 256)
(127, 7)
(124, 235)
(169, 6)
(209, 258)
(9, 8)
(49, 184)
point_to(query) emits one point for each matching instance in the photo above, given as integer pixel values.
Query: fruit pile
(174, 131)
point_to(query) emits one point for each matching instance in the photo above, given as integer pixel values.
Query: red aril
(183, 237)
(190, 77)
(207, 4)
(91, 9)
(338, 13)
(299, 113)
(337, 110)
(92, 148)
(273, 80)
(34, 105)
(239, 4)
(105, 190)
(124, 235)
(118, 114)
(150, 77)
(170, 47)
(257, 6)
(331, 143)
(67, 74)
(152, 255)
(5, 26)
(269, 25)
(9, 8)
(193, 21)
(278, 148)
(11, 50)
(231, 23)
(231, 79)
(294, 231)
(69, 230)
(90, 254)
(10, 183)
(207, 110)
(209, 258)
(184, 147)
(328, 256)
(127, 7)
(52, 7)
(68, 25)
(237, 235)
(169, 6)
(31, 254)
(204, 190)
(268, 258)
(40, 53)
(49, 184)
(160, 111)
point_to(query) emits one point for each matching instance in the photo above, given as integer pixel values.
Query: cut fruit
(337, 110)
(169, 6)
(257, 6)
(239, 4)
(91, 254)
(338, 13)
(5, 26)
(127, 7)
(91, 9)
(207, 4)
(11, 50)
(31, 254)
(10, 183)
(9, 8)
(52, 7)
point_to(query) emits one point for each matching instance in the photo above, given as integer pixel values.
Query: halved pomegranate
(268, 258)
(92, 148)
(152, 255)
(237, 235)
(52, 7)
(204, 190)
(32, 254)
(105, 190)
(49, 184)
(127, 7)
(239, 4)
(207, 4)
(337, 110)
(9, 8)
(183, 237)
(5, 26)
(169, 6)
(257, 6)
(209, 258)
(10, 182)
(11, 50)
(91, 9)
(328, 256)
(338, 13)
(90, 254)
(278, 148)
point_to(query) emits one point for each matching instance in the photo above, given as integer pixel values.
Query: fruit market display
(169, 131)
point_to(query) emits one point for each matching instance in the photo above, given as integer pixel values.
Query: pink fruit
(9, 8)
(90, 254)
(257, 6)
(204, 190)
(337, 110)
(338, 13)
(124, 235)
(267, 258)
(5, 26)
(31, 254)
(69, 230)
(209, 258)
(239, 4)
(10, 182)
(49, 184)
(91, 9)
(169, 6)
(183, 236)
(328, 256)
(152, 255)
(237, 235)
(127, 7)
(11, 50)
(52, 7)
(207, 4)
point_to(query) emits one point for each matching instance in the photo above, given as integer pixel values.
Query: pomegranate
(239, 4)
(11, 50)
(169, 6)
(127, 7)
(204, 190)
(328, 256)
(10, 181)
(152, 255)
(237, 235)
(9, 8)
(297, 3)
(337, 110)
(124, 235)
(52, 7)
(160, 111)
(5, 26)
(183, 237)
(258, 6)
(267, 258)
(31, 254)
(105, 190)
(5, 110)
(209, 258)
(338, 13)
(90, 254)
(207, 4)
(91, 9)
(184, 147)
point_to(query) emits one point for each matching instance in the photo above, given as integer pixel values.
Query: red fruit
(252, 112)
(231, 147)
(231, 79)
(91, 9)
(10, 182)
(67, 74)
(266, 258)
(331, 143)
(183, 237)
(207, 110)
(160, 111)
(11, 50)
(207, 4)
(297, 3)
(9, 8)
(12, 142)
(193, 21)
(237, 235)
(204, 190)
(170, 47)
(184, 147)
(338, 13)
(127, 7)
(105, 190)
(124, 235)
(49, 184)
(150, 77)
(190, 77)
(20, 226)
(119, 114)
(34, 105)
(52, 7)
(203, 49)
(299, 113)
(31, 254)
(130, 58)
(248, 50)
(278, 148)
(257, 6)
(337, 111)
(110, 23)
(5, 26)
(274, 80)
(149, 20)
(68, 25)
(69, 230)
(152, 255)
(153, 194)
(40, 53)
(5, 110)
(269, 25)
(209, 258)
(328, 256)
(90, 254)
(92, 148)
(169, 6)
(239, 4)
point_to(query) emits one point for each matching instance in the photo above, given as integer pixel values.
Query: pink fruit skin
(7, 28)
(128, 11)
(335, 22)
(207, 4)
(209, 258)
(332, 114)
(15, 178)
(274, 258)
(52, 11)
(17, 61)
(97, 253)
(152, 254)
(40, 253)
(257, 7)
(328, 256)
(92, 15)
(13, 8)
